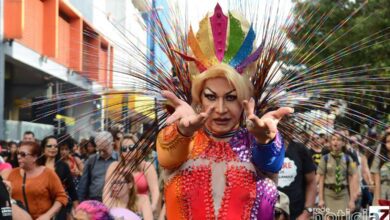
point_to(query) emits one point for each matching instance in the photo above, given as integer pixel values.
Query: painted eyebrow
(228, 93)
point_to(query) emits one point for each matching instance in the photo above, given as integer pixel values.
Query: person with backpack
(336, 185)
(381, 171)
(94, 173)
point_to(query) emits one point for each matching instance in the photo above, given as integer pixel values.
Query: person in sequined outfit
(217, 169)
(215, 166)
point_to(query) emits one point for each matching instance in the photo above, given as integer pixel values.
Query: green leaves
(346, 36)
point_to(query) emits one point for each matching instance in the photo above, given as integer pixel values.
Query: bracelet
(173, 144)
(171, 138)
(13, 202)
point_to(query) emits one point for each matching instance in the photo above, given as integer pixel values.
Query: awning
(115, 103)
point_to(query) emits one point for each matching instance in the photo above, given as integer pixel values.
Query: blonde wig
(241, 83)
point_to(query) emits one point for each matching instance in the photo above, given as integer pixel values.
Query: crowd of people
(67, 179)
(58, 178)
(220, 154)
(339, 174)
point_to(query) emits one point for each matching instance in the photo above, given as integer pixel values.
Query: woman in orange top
(42, 194)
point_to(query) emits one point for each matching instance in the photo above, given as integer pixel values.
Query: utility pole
(148, 14)
(58, 106)
(151, 42)
(2, 71)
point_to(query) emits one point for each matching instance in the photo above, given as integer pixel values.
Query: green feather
(236, 37)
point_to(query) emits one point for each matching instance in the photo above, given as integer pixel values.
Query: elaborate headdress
(223, 39)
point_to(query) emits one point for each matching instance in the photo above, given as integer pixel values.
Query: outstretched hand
(188, 120)
(264, 129)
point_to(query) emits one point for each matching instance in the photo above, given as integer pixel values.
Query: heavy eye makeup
(230, 97)
(211, 96)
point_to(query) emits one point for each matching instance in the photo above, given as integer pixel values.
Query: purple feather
(254, 56)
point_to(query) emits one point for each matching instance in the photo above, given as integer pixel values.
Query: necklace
(226, 135)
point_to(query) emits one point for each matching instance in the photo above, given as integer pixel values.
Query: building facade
(50, 50)
(67, 50)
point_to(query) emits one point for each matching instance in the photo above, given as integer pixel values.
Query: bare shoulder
(148, 167)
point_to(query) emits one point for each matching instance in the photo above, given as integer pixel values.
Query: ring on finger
(249, 124)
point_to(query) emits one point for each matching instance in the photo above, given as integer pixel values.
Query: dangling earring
(242, 119)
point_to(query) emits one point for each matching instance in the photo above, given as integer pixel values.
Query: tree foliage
(356, 32)
(337, 26)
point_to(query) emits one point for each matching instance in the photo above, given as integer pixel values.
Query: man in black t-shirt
(297, 180)
(5, 202)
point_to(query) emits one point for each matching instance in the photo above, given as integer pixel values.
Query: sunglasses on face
(128, 148)
(51, 145)
(23, 154)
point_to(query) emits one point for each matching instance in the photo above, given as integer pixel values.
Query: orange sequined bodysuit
(218, 180)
